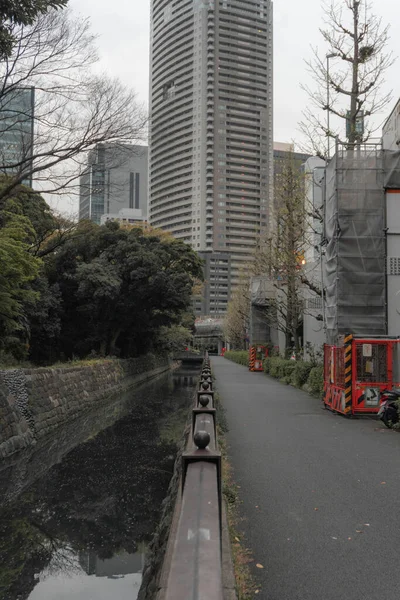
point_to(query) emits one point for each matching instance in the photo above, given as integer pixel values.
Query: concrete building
(128, 216)
(314, 318)
(217, 284)
(281, 153)
(391, 130)
(116, 179)
(17, 110)
(211, 165)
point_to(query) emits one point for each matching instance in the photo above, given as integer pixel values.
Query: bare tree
(282, 256)
(74, 109)
(350, 88)
(237, 319)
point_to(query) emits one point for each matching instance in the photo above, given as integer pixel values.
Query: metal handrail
(196, 566)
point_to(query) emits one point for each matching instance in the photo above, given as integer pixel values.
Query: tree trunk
(112, 345)
(354, 89)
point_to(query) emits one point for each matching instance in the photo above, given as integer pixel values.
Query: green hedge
(301, 373)
(238, 356)
(296, 373)
(316, 381)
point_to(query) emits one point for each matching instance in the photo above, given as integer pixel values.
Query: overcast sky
(123, 29)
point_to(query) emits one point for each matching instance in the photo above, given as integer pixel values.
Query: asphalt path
(320, 493)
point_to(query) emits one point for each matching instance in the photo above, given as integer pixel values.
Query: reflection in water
(79, 530)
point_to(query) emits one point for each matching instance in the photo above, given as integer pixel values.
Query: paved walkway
(321, 493)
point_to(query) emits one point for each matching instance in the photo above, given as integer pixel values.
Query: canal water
(77, 512)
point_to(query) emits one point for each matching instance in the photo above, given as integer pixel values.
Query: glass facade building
(17, 108)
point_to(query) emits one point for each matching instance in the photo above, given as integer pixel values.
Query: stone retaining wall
(36, 402)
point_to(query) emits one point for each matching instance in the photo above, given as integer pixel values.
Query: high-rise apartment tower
(211, 148)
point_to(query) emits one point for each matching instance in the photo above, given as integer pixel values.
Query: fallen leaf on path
(315, 508)
(259, 566)
(383, 482)
(237, 539)
(349, 538)
(334, 538)
(359, 531)
(366, 524)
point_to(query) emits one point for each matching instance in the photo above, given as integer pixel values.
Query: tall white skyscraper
(211, 138)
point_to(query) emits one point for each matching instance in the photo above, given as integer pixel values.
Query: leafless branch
(75, 109)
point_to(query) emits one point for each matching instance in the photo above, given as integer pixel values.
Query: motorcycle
(388, 410)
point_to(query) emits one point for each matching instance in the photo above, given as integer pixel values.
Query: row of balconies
(181, 136)
(180, 178)
(171, 148)
(158, 162)
(170, 69)
(175, 191)
(182, 51)
(171, 129)
(182, 25)
(185, 98)
(184, 167)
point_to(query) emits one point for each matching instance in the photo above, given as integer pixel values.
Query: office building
(115, 179)
(211, 163)
(126, 216)
(17, 108)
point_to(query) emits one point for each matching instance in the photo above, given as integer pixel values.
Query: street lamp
(328, 100)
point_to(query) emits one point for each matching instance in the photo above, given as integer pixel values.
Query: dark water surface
(77, 512)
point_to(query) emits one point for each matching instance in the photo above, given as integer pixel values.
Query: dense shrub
(267, 365)
(238, 356)
(297, 373)
(275, 367)
(288, 370)
(280, 367)
(316, 381)
(301, 373)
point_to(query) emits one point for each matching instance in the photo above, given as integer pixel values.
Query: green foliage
(20, 12)
(26, 298)
(316, 381)
(300, 373)
(119, 287)
(278, 367)
(104, 290)
(239, 356)
(297, 373)
(267, 365)
(17, 269)
(174, 338)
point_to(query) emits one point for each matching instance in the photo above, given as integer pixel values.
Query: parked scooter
(388, 411)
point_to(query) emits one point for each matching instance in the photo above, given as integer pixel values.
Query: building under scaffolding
(360, 273)
(355, 282)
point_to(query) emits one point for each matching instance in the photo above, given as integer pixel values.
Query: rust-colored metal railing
(196, 565)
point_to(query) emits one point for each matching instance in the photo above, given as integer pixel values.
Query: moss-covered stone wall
(34, 403)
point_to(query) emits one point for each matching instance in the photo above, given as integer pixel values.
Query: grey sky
(123, 29)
